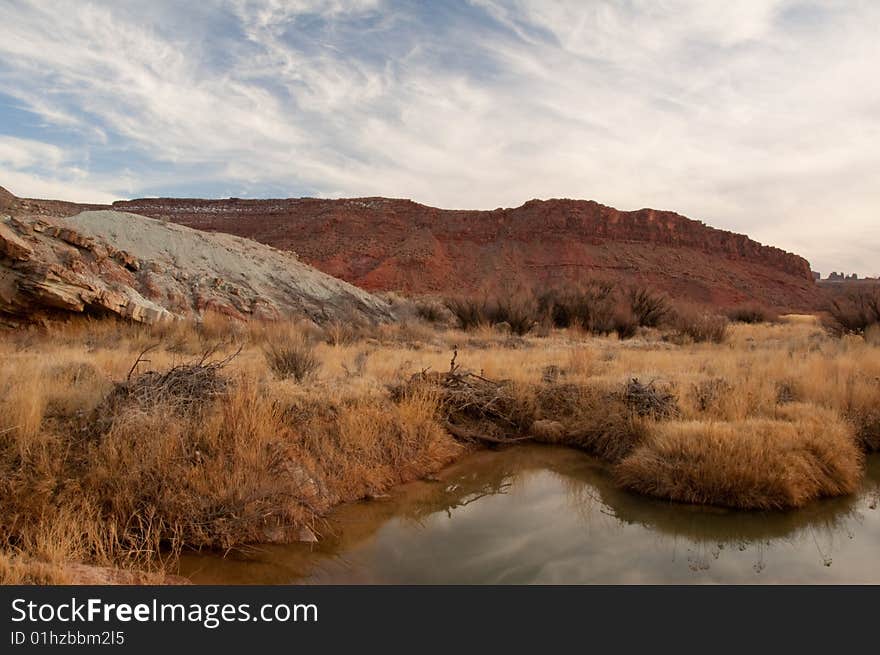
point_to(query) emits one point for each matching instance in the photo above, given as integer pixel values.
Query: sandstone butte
(382, 244)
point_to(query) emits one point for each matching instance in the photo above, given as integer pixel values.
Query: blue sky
(760, 116)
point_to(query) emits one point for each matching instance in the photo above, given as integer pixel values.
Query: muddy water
(536, 514)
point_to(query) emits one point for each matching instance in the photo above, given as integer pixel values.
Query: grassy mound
(776, 463)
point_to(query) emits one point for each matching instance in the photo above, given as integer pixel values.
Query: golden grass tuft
(758, 463)
(591, 418)
(22, 408)
(21, 570)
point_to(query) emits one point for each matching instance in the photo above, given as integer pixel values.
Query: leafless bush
(469, 312)
(855, 312)
(433, 311)
(649, 309)
(700, 326)
(294, 358)
(707, 394)
(591, 306)
(751, 313)
(518, 311)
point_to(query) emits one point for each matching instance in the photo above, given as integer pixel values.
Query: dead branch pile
(650, 399)
(181, 389)
(606, 422)
(473, 407)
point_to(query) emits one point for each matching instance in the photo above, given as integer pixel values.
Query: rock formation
(6, 199)
(387, 244)
(111, 263)
(384, 244)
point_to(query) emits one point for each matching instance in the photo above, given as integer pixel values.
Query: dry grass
(699, 325)
(294, 358)
(758, 463)
(20, 570)
(872, 334)
(96, 467)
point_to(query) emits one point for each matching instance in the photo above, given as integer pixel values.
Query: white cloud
(32, 168)
(27, 153)
(31, 185)
(759, 116)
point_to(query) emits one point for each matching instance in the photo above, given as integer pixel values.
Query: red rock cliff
(380, 243)
(388, 244)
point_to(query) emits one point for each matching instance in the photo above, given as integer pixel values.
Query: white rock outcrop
(107, 262)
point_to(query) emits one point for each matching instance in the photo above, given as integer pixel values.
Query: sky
(758, 116)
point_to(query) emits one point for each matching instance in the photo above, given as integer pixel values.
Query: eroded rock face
(110, 263)
(6, 199)
(384, 244)
(387, 244)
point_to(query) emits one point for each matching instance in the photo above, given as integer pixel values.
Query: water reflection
(536, 514)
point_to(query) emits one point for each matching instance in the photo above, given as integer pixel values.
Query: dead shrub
(751, 314)
(484, 409)
(594, 307)
(855, 312)
(708, 394)
(750, 464)
(433, 311)
(293, 358)
(518, 312)
(700, 326)
(470, 313)
(648, 308)
(624, 323)
(590, 307)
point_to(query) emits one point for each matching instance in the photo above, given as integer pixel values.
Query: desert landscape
(200, 378)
